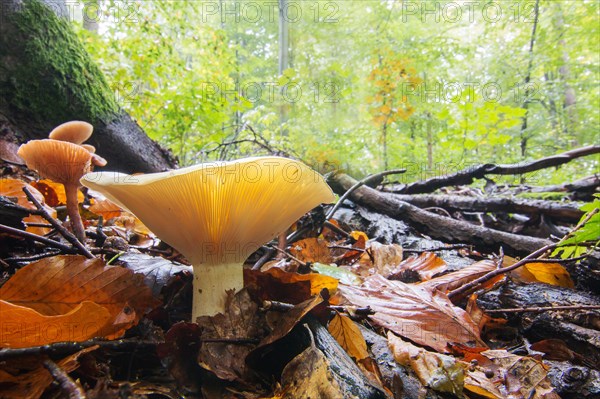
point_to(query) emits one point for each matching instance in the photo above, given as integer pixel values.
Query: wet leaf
(107, 209)
(549, 273)
(311, 250)
(157, 271)
(340, 273)
(348, 335)
(58, 285)
(240, 321)
(23, 327)
(54, 193)
(426, 265)
(14, 188)
(379, 258)
(453, 280)
(441, 373)
(423, 315)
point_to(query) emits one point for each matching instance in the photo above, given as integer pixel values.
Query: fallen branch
(35, 237)
(436, 226)
(568, 212)
(467, 176)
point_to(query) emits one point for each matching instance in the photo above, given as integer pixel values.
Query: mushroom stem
(211, 283)
(73, 211)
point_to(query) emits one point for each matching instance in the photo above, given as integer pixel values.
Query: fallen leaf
(441, 373)
(348, 335)
(340, 273)
(106, 208)
(308, 376)
(241, 320)
(58, 285)
(157, 271)
(311, 250)
(549, 273)
(179, 353)
(31, 381)
(379, 258)
(453, 280)
(279, 285)
(23, 327)
(557, 349)
(54, 193)
(427, 264)
(423, 315)
(14, 188)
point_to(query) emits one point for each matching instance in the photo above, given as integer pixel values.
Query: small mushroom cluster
(64, 159)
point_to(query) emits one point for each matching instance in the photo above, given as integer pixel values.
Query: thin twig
(32, 258)
(303, 264)
(67, 385)
(65, 348)
(543, 309)
(435, 249)
(357, 185)
(35, 237)
(336, 229)
(59, 227)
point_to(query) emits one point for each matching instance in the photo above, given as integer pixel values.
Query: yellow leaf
(348, 335)
(549, 273)
(14, 188)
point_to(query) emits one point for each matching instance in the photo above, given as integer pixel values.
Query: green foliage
(589, 232)
(193, 73)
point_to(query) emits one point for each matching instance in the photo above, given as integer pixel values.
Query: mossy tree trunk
(47, 78)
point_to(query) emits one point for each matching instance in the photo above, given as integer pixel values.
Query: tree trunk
(47, 78)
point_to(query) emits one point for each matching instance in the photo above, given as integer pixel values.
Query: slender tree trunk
(284, 59)
(47, 78)
(524, 134)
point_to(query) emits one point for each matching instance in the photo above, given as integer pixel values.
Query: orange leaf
(312, 250)
(14, 188)
(54, 193)
(348, 335)
(23, 327)
(58, 285)
(549, 273)
(426, 265)
(107, 209)
(451, 281)
(421, 314)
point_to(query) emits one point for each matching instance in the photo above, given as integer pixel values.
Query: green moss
(548, 196)
(54, 79)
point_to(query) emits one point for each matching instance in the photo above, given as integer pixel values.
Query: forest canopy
(432, 87)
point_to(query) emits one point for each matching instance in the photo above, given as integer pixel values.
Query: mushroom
(216, 214)
(75, 132)
(65, 163)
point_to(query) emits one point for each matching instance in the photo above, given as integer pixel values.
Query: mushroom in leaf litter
(216, 214)
(62, 162)
(75, 132)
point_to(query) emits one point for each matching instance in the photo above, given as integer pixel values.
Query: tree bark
(47, 78)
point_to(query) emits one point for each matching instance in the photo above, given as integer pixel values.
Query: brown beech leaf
(240, 321)
(58, 285)
(28, 378)
(451, 281)
(421, 314)
(14, 188)
(519, 377)
(348, 335)
(426, 265)
(312, 250)
(378, 259)
(442, 373)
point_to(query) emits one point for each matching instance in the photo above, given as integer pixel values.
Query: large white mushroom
(216, 214)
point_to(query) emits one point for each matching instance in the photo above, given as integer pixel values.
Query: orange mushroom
(62, 162)
(75, 132)
(216, 214)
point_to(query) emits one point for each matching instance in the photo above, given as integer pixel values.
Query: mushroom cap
(218, 212)
(56, 160)
(75, 132)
